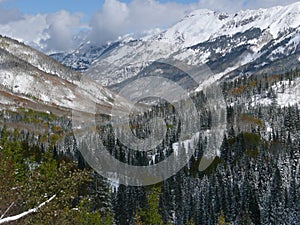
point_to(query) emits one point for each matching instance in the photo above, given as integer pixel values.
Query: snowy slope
(204, 36)
(287, 93)
(202, 25)
(30, 75)
(36, 58)
(81, 58)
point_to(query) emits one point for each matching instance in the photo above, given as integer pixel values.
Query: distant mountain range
(247, 42)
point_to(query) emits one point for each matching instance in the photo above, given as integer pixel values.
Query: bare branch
(7, 209)
(16, 217)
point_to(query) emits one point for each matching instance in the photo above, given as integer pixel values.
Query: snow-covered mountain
(81, 58)
(256, 38)
(31, 79)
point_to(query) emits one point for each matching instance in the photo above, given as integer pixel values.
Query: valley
(198, 124)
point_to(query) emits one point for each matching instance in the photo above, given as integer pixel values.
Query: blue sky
(61, 25)
(51, 6)
(87, 7)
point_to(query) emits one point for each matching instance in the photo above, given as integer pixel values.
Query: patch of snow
(186, 143)
(259, 100)
(290, 96)
(287, 94)
(214, 78)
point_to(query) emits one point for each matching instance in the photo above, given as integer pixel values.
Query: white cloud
(110, 22)
(28, 29)
(47, 32)
(222, 5)
(117, 18)
(62, 27)
(55, 31)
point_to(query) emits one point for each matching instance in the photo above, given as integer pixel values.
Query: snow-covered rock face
(220, 40)
(203, 25)
(81, 58)
(194, 28)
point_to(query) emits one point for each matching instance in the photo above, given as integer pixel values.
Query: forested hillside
(254, 178)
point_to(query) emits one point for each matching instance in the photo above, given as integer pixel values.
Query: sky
(60, 25)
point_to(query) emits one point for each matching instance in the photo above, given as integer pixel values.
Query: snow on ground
(130, 58)
(33, 57)
(287, 93)
(202, 25)
(214, 78)
(290, 95)
(194, 28)
(189, 143)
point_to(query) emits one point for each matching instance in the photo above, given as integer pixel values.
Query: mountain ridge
(30, 78)
(202, 37)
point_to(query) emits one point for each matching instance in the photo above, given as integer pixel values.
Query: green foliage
(190, 222)
(94, 218)
(252, 143)
(8, 182)
(212, 167)
(252, 152)
(252, 139)
(245, 118)
(90, 218)
(54, 138)
(12, 151)
(36, 117)
(150, 215)
(221, 219)
(28, 182)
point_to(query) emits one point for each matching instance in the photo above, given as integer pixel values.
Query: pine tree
(150, 215)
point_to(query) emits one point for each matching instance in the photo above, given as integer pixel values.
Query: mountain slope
(36, 59)
(81, 58)
(29, 78)
(220, 40)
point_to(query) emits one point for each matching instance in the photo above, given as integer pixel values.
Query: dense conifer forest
(254, 179)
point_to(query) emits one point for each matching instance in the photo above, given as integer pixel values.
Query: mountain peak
(203, 24)
(200, 12)
(200, 37)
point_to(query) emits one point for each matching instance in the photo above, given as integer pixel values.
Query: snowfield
(126, 58)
